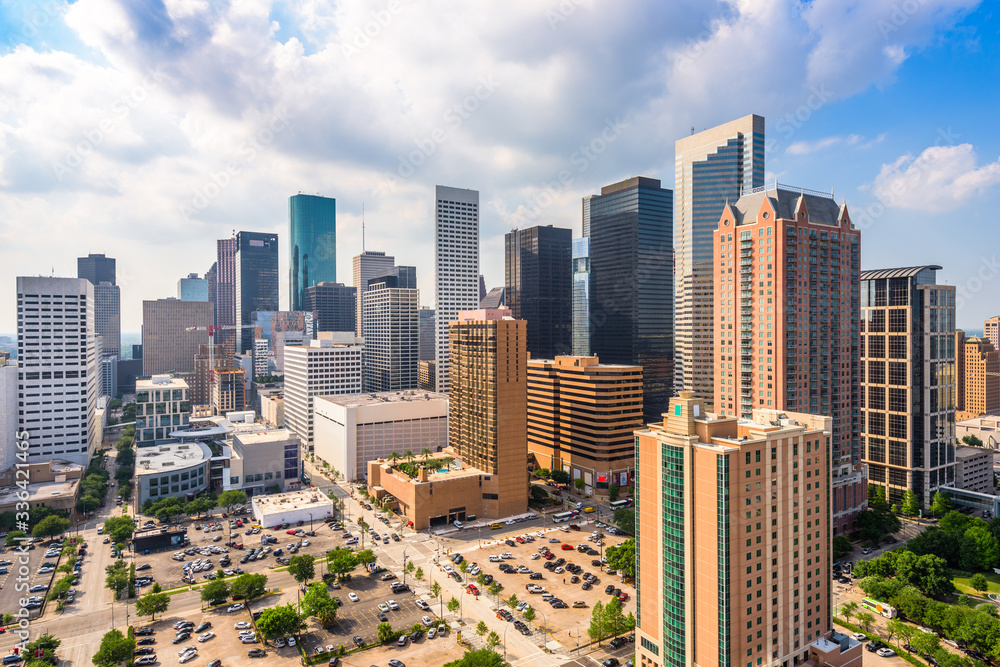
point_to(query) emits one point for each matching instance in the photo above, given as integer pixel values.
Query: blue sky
(148, 129)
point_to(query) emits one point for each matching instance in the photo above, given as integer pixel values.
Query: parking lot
(225, 646)
(437, 651)
(9, 595)
(571, 619)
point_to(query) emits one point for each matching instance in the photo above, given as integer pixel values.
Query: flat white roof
(293, 500)
(408, 396)
(164, 458)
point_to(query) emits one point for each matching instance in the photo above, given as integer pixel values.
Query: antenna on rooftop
(362, 226)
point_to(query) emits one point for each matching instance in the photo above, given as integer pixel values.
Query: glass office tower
(256, 281)
(312, 245)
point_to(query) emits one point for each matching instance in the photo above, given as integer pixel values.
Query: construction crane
(211, 329)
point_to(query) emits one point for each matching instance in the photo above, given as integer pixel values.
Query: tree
(302, 568)
(560, 477)
(87, 503)
(979, 582)
(419, 574)
(393, 457)
(152, 603)
(495, 588)
(453, 605)
(279, 621)
(622, 557)
(842, 547)
(537, 492)
(972, 441)
(847, 610)
(926, 643)
(116, 649)
(486, 657)
(117, 577)
(865, 620)
(230, 499)
(911, 506)
(119, 528)
(482, 628)
(492, 639)
(579, 484)
(47, 644)
(249, 586)
(624, 518)
(215, 592)
(613, 492)
(50, 526)
(340, 562)
(199, 506)
(597, 629)
(13, 537)
(385, 633)
(446, 461)
(318, 603)
(529, 614)
(408, 455)
(876, 498)
(426, 453)
(979, 549)
(614, 620)
(512, 601)
(940, 504)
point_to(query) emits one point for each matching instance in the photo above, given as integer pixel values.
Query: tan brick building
(991, 331)
(733, 528)
(581, 415)
(229, 390)
(201, 385)
(487, 412)
(977, 377)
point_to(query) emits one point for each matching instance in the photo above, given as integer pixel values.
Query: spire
(362, 226)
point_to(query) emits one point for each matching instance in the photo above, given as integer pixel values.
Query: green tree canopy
(248, 586)
(560, 477)
(318, 603)
(230, 499)
(13, 537)
(119, 528)
(152, 603)
(842, 547)
(341, 561)
(538, 492)
(486, 657)
(979, 549)
(116, 649)
(385, 633)
(597, 630)
(302, 567)
(622, 557)
(117, 576)
(215, 592)
(50, 526)
(940, 504)
(625, 519)
(280, 621)
(911, 506)
(47, 644)
(979, 582)
(972, 441)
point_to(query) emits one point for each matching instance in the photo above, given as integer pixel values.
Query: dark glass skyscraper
(312, 245)
(256, 281)
(335, 305)
(632, 284)
(96, 268)
(538, 287)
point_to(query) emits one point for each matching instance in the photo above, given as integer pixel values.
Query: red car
(548, 555)
(290, 532)
(473, 589)
(623, 597)
(567, 547)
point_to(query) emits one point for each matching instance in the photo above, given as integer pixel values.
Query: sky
(147, 129)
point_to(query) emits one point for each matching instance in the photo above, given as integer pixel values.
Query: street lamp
(404, 567)
(505, 641)
(310, 522)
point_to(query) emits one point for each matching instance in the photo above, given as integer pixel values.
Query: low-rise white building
(161, 406)
(352, 430)
(177, 469)
(262, 458)
(306, 505)
(974, 469)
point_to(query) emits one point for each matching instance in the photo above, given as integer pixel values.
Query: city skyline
(159, 161)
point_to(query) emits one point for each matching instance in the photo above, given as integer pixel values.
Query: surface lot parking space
(555, 620)
(361, 618)
(437, 651)
(10, 596)
(225, 646)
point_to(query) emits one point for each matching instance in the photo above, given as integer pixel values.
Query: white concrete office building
(305, 505)
(456, 266)
(392, 338)
(58, 371)
(262, 458)
(369, 264)
(8, 414)
(350, 431)
(326, 366)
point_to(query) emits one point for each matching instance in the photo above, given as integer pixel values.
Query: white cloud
(940, 179)
(807, 147)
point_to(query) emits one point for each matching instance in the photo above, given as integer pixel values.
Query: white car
(475, 570)
(535, 556)
(353, 597)
(188, 651)
(506, 554)
(493, 559)
(432, 633)
(205, 637)
(187, 658)
(427, 620)
(242, 625)
(279, 643)
(247, 633)
(859, 637)
(885, 653)
(239, 606)
(248, 640)
(392, 605)
(423, 604)
(449, 569)
(291, 641)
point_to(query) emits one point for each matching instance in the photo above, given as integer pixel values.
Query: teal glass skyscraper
(312, 246)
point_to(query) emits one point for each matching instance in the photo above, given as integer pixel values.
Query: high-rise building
(581, 295)
(392, 336)
(312, 245)
(167, 344)
(225, 292)
(8, 413)
(733, 539)
(162, 406)
(228, 390)
(487, 405)
(335, 305)
(631, 284)
(426, 350)
(193, 288)
(212, 276)
(405, 277)
(581, 415)
(267, 323)
(585, 215)
(256, 281)
(495, 298)
(458, 285)
(109, 376)
(261, 353)
(908, 381)
(331, 364)
(991, 331)
(800, 350)
(538, 287)
(482, 287)
(712, 168)
(977, 377)
(426, 375)
(283, 339)
(57, 368)
(96, 268)
(205, 361)
(368, 265)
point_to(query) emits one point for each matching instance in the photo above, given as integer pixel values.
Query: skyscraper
(368, 265)
(787, 306)
(991, 331)
(426, 334)
(256, 281)
(538, 287)
(908, 357)
(201, 385)
(96, 268)
(167, 345)
(711, 168)
(335, 305)
(57, 368)
(100, 271)
(581, 295)
(733, 572)
(404, 277)
(312, 245)
(487, 405)
(193, 288)
(225, 292)
(456, 266)
(977, 377)
(392, 336)
(631, 283)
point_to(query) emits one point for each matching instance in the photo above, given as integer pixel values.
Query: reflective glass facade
(312, 245)
(539, 287)
(256, 281)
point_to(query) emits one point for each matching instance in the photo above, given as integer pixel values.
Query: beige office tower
(977, 371)
(369, 264)
(991, 331)
(712, 168)
(172, 333)
(208, 358)
(488, 404)
(733, 531)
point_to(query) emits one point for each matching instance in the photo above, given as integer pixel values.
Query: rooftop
(161, 382)
(263, 435)
(358, 400)
(902, 272)
(283, 502)
(784, 199)
(162, 458)
(964, 452)
(39, 493)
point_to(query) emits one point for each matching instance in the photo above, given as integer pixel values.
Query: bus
(879, 607)
(619, 504)
(563, 516)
